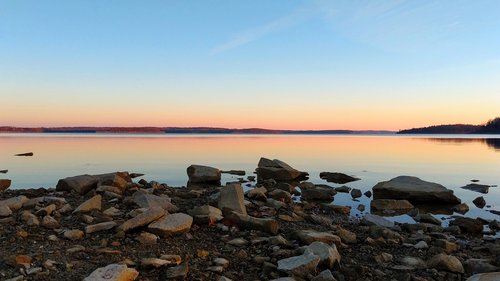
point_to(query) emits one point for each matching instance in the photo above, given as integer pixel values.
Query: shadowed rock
(80, 184)
(414, 189)
(481, 188)
(232, 198)
(24, 154)
(203, 174)
(339, 178)
(390, 204)
(4, 184)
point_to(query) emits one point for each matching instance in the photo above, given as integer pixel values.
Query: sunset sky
(270, 64)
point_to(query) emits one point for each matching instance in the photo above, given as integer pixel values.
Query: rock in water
(468, 225)
(414, 189)
(4, 184)
(170, 225)
(479, 202)
(80, 184)
(232, 198)
(24, 154)
(203, 174)
(339, 178)
(390, 204)
(481, 188)
(278, 170)
(113, 272)
(300, 266)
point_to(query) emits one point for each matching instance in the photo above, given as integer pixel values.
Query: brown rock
(100, 227)
(50, 222)
(170, 225)
(74, 234)
(142, 219)
(92, 204)
(4, 184)
(80, 184)
(113, 272)
(390, 204)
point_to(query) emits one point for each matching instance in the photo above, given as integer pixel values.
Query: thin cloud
(294, 18)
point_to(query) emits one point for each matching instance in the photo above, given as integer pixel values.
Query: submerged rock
(414, 189)
(390, 204)
(278, 170)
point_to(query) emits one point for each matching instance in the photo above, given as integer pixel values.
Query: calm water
(449, 160)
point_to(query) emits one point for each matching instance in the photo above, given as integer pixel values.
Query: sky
(281, 64)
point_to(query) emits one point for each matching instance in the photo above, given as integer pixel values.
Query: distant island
(177, 130)
(490, 127)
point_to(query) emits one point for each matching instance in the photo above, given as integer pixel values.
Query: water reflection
(493, 143)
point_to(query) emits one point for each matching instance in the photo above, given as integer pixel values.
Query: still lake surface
(451, 160)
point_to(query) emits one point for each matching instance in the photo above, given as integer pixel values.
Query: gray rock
(473, 266)
(308, 236)
(492, 276)
(80, 184)
(371, 219)
(414, 189)
(446, 262)
(171, 225)
(337, 177)
(413, 262)
(113, 272)
(390, 204)
(178, 272)
(343, 189)
(142, 219)
(205, 214)
(232, 198)
(146, 200)
(278, 170)
(203, 174)
(299, 266)
(325, 275)
(5, 211)
(92, 204)
(14, 203)
(328, 255)
(428, 218)
(421, 245)
(481, 188)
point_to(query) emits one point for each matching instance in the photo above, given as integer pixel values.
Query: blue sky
(274, 64)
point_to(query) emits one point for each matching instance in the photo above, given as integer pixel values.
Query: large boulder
(203, 174)
(113, 272)
(80, 184)
(278, 170)
(232, 198)
(414, 189)
(337, 177)
(4, 184)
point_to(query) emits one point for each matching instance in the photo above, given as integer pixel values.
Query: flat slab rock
(170, 225)
(491, 276)
(371, 219)
(142, 219)
(113, 272)
(481, 188)
(390, 204)
(414, 189)
(300, 266)
(308, 236)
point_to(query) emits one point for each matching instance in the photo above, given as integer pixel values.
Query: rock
(232, 198)
(74, 234)
(468, 225)
(24, 154)
(343, 189)
(446, 262)
(428, 218)
(300, 266)
(356, 193)
(50, 222)
(390, 204)
(339, 178)
(116, 179)
(221, 262)
(203, 174)
(248, 222)
(146, 238)
(336, 209)
(368, 194)
(461, 208)
(479, 202)
(318, 194)
(14, 203)
(171, 225)
(481, 188)
(4, 171)
(238, 242)
(113, 272)
(492, 276)
(347, 236)
(112, 212)
(142, 219)
(414, 189)
(146, 200)
(4, 184)
(370, 219)
(308, 236)
(149, 263)
(178, 272)
(16, 260)
(46, 211)
(234, 172)
(278, 170)
(325, 275)
(473, 266)
(92, 204)
(281, 195)
(29, 218)
(100, 227)
(5, 211)
(205, 214)
(80, 184)
(413, 262)
(447, 246)
(421, 245)
(328, 255)
(383, 258)
(494, 225)
(258, 193)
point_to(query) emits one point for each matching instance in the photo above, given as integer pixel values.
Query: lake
(451, 160)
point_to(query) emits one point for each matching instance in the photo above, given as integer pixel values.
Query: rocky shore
(114, 227)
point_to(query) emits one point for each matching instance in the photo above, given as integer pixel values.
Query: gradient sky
(272, 64)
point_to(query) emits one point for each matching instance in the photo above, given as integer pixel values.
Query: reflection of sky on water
(449, 161)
